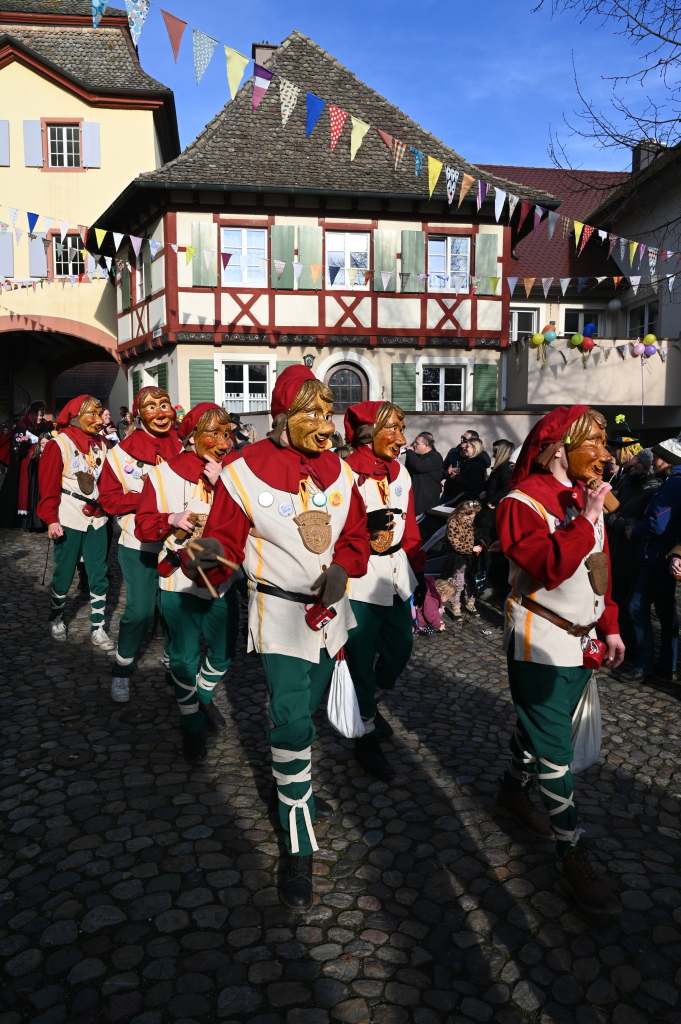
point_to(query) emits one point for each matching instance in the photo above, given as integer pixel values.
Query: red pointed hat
(193, 416)
(71, 409)
(288, 384)
(548, 430)
(358, 415)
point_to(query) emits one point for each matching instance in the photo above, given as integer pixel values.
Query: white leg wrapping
(208, 677)
(185, 708)
(525, 756)
(123, 661)
(284, 756)
(564, 803)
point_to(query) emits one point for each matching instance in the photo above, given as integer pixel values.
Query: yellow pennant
(466, 185)
(494, 284)
(579, 227)
(434, 169)
(236, 64)
(359, 130)
(633, 246)
(100, 235)
(352, 275)
(189, 253)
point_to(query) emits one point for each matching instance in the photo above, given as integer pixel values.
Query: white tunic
(128, 473)
(387, 576)
(73, 461)
(537, 639)
(275, 555)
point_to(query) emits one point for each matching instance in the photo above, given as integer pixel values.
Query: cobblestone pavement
(136, 889)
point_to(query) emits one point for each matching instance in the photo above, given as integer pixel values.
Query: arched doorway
(348, 385)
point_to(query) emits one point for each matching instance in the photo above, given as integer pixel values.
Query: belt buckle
(573, 630)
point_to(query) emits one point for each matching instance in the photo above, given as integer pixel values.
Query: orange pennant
(528, 282)
(467, 182)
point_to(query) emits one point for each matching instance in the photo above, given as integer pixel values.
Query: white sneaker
(98, 638)
(120, 689)
(58, 631)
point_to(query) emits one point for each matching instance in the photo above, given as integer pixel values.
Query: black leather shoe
(323, 812)
(295, 890)
(215, 720)
(381, 727)
(194, 747)
(372, 759)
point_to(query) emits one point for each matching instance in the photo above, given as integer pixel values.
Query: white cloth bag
(587, 728)
(342, 708)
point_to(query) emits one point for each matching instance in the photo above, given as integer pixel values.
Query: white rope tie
(186, 709)
(285, 780)
(292, 824)
(279, 754)
(369, 725)
(282, 757)
(564, 803)
(120, 660)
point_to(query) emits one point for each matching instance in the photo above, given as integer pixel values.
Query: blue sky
(489, 80)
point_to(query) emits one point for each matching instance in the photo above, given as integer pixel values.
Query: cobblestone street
(137, 889)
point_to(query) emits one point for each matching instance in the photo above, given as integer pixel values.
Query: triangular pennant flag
(633, 246)
(388, 139)
(226, 257)
(419, 157)
(154, 246)
(137, 15)
(512, 282)
(404, 278)
(452, 178)
(635, 282)
(581, 281)
(208, 257)
(664, 255)
(333, 274)
(611, 244)
(512, 203)
(623, 248)
(204, 45)
(602, 235)
(236, 65)
(83, 231)
(528, 282)
(118, 238)
(641, 251)
(315, 270)
(616, 281)
(434, 170)
(174, 247)
(494, 284)
(586, 235)
(652, 259)
(499, 200)
(100, 235)
(279, 266)
(175, 28)
(662, 353)
(136, 244)
(32, 219)
(552, 221)
(546, 284)
(565, 352)
(84, 253)
(63, 228)
(482, 193)
(399, 149)
(18, 234)
(60, 248)
(622, 349)
(297, 270)
(315, 105)
(189, 253)
(564, 283)
(261, 83)
(352, 274)
(98, 8)
(579, 227)
(338, 118)
(73, 252)
(467, 182)
(359, 130)
(525, 208)
(670, 282)
(288, 97)
(385, 278)
(13, 214)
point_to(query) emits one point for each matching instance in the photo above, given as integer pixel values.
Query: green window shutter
(136, 382)
(204, 237)
(385, 259)
(282, 245)
(403, 385)
(486, 247)
(283, 363)
(162, 376)
(310, 252)
(146, 264)
(201, 381)
(126, 292)
(413, 260)
(485, 387)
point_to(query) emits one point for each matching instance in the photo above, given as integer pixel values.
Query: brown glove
(330, 586)
(203, 554)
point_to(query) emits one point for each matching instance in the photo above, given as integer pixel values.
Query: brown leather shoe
(589, 890)
(517, 804)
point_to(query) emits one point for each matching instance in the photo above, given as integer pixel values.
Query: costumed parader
(551, 529)
(120, 487)
(380, 645)
(67, 478)
(172, 511)
(289, 510)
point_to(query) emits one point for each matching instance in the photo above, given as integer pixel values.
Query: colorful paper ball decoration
(538, 339)
(550, 335)
(588, 343)
(650, 350)
(588, 330)
(638, 349)
(576, 339)
(614, 304)
(649, 339)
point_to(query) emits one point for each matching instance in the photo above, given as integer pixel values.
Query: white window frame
(62, 129)
(243, 282)
(76, 266)
(346, 286)
(244, 358)
(584, 318)
(646, 318)
(448, 287)
(514, 335)
(468, 362)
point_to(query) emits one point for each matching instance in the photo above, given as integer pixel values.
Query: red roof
(580, 191)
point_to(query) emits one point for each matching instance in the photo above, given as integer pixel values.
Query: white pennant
(63, 229)
(118, 238)
(546, 284)
(297, 270)
(385, 278)
(635, 282)
(671, 282)
(208, 257)
(564, 282)
(499, 200)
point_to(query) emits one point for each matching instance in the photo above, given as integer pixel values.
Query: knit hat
(288, 384)
(358, 415)
(194, 415)
(646, 457)
(669, 451)
(71, 409)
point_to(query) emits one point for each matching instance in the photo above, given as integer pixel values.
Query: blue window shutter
(4, 143)
(33, 144)
(90, 140)
(37, 257)
(7, 254)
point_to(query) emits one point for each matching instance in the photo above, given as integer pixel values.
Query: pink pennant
(525, 208)
(338, 119)
(587, 232)
(175, 28)
(136, 243)
(226, 257)
(388, 139)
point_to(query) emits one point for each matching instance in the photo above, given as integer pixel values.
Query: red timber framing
(348, 330)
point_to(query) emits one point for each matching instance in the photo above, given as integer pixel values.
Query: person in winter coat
(464, 544)
(654, 537)
(424, 465)
(470, 480)
(497, 487)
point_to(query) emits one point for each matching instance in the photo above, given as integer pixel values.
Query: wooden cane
(193, 546)
(226, 561)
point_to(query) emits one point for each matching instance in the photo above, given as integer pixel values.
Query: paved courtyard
(134, 888)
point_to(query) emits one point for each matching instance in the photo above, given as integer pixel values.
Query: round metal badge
(319, 499)
(285, 509)
(398, 490)
(265, 499)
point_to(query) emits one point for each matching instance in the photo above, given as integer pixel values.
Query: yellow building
(83, 121)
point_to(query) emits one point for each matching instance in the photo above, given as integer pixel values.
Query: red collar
(366, 463)
(189, 466)
(147, 448)
(551, 493)
(284, 468)
(83, 442)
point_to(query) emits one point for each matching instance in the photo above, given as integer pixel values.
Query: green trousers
(296, 688)
(195, 677)
(545, 698)
(89, 544)
(141, 594)
(384, 630)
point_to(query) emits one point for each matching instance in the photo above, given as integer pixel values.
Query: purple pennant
(261, 83)
(226, 257)
(482, 192)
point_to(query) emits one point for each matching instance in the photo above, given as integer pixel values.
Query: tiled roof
(580, 192)
(79, 8)
(244, 147)
(100, 58)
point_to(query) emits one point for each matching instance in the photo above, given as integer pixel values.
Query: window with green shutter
(162, 376)
(403, 385)
(385, 259)
(310, 254)
(146, 269)
(205, 241)
(282, 246)
(485, 387)
(486, 250)
(283, 363)
(413, 261)
(201, 381)
(136, 382)
(126, 291)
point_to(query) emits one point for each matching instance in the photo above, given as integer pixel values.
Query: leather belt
(569, 627)
(81, 497)
(389, 551)
(286, 595)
